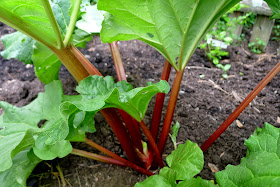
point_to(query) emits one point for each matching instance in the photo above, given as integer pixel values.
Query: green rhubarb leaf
(174, 28)
(186, 160)
(99, 93)
(19, 46)
(275, 8)
(38, 124)
(154, 180)
(46, 63)
(91, 20)
(261, 165)
(30, 18)
(89, 23)
(196, 182)
(12, 143)
(169, 174)
(23, 164)
(50, 152)
(61, 9)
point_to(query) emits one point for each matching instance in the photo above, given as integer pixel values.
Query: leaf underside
(174, 28)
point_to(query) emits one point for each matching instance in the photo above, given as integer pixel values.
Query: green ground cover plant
(49, 34)
(260, 167)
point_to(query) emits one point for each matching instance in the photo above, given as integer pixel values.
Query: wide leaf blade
(23, 164)
(174, 28)
(261, 165)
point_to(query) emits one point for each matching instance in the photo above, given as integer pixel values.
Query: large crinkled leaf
(261, 165)
(20, 125)
(46, 63)
(23, 164)
(174, 27)
(99, 93)
(186, 160)
(28, 17)
(275, 8)
(196, 182)
(19, 46)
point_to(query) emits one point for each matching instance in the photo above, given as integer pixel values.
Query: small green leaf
(154, 180)
(175, 129)
(46, 63)
(186, 160)
(91, 20)
(23, 164)
(19, 46)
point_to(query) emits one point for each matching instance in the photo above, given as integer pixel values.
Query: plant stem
(61, 175)
(117, 157)
(117, 61)
(86, 63)
(152, 143)
(170, 110)
(72, 62)
(132, 127)
(73, 20)
(97, 157)
(119, 129)
(241, 107)
(53, 22)
(159, 102)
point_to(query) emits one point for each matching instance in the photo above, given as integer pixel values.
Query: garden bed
(205, 101)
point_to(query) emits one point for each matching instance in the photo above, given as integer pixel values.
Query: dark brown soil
(203, 104)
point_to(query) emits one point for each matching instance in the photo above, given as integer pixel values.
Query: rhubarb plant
(49, 32)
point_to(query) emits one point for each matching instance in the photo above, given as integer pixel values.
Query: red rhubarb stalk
(117, 157)
(152, 143)
(240, 108)
(132, 126)
(159, 102)
(170, 110)
(99, 158)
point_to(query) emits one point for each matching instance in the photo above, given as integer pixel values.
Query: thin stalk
(53, 22)
(73, 19)
(241, 107)
(132, 127)
(159, 102)
(119, 129)
(117, 61)
(152, 143)
(61, 175)
(99, 158)
(117, 157)
(170, 110)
